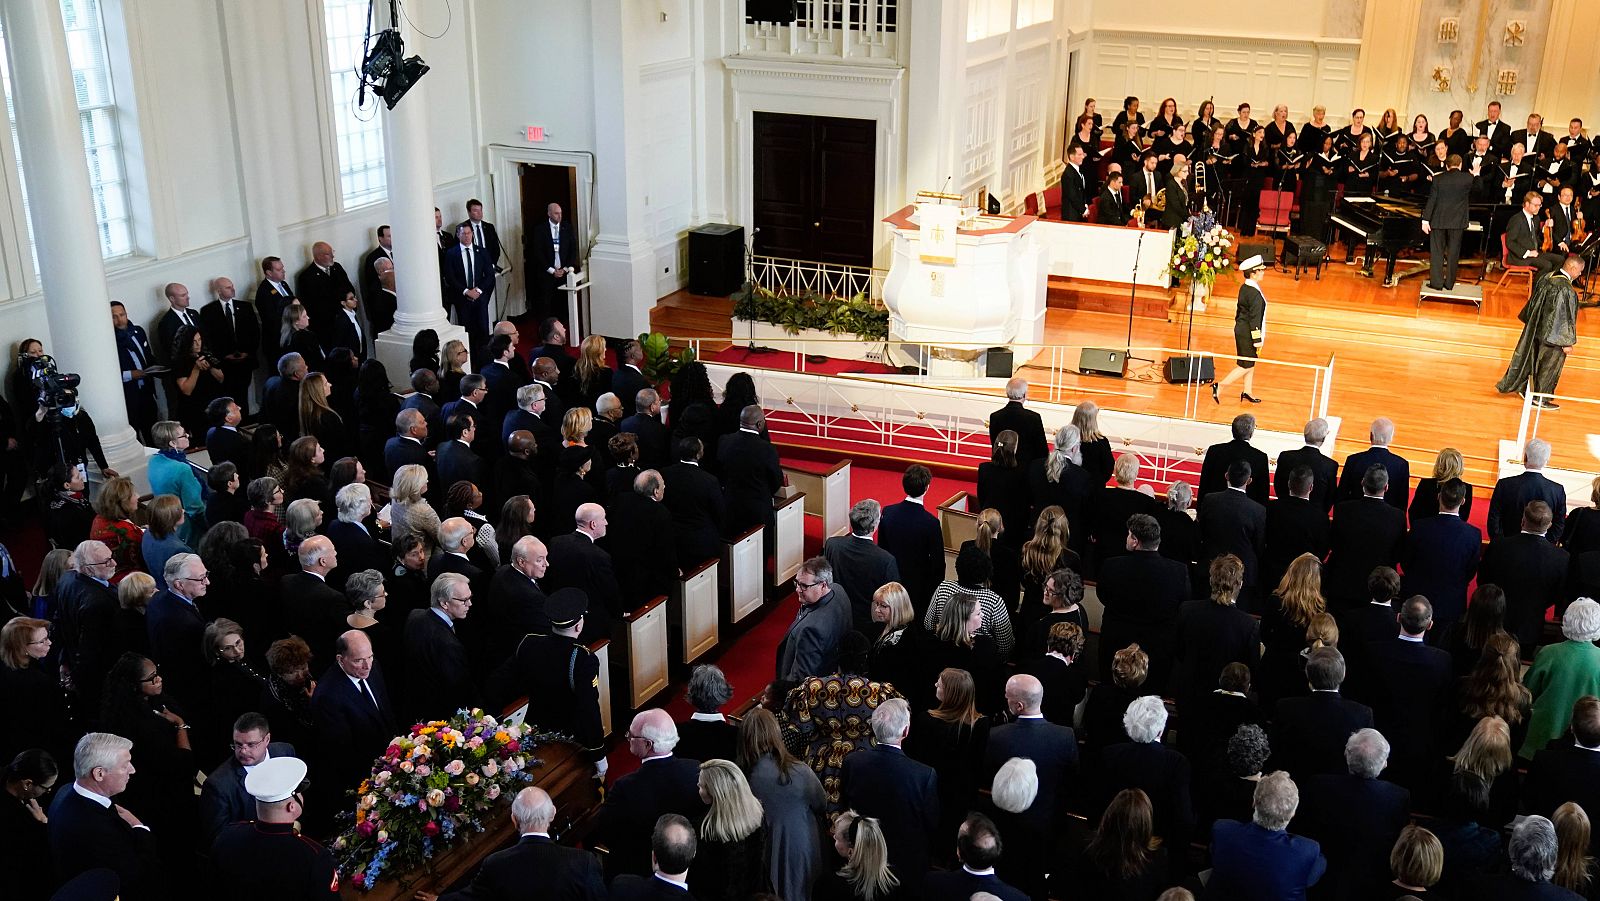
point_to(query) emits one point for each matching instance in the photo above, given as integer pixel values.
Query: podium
(959, 279)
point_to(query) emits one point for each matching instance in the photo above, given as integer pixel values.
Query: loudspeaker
(1101, 361)
(998, 363)
(716, 259)
(1182, 369)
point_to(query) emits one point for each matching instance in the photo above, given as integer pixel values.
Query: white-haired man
(439, 678)
(1355, 467)
(535, 860)
(89, 830)
(1355, 816)
(903, 794)
(860, 567)
(1324, 469)
(1016, 417)
(312, 608)
(1259, 859)
(1512, 494)
(663, 784)
(1158, 770)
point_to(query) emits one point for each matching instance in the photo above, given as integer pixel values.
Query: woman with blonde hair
(51, 568)
(1108, 701)
(1416, 861)
(1043, 554)
(731, 858)
(295, 336)
(133, 596)
(318, 418)
(113, 525)
(1449, 464)
(1094, 446)
(1005, 558)
(452, 368)
(1483, 785)
(1113, 505)
(409, 512)
(1582, 530)
(893, 657)
(866, 874)
(1575, 868)
(792, 800)
(957, 643)
(1289, 612)
(31, 697)
(576, 424)
(594, 376)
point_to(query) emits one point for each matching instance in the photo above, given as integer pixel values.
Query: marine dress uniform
(270, 861)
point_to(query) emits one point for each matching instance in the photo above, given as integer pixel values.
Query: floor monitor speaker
(1184, 369)
(1101, 361)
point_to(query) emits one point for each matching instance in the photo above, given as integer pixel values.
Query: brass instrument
(1159, 204)
(1200, 185)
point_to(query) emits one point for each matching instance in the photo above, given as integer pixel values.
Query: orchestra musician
(1459, 139)
(1589, 188)
(1498, 133)
(1388, 128)
(1525, 236)
(1143, 185)
(1177, 211)
(1559, 218)
(1165, 122)
(1130, 114)
(1109, 210)
(1534, 139)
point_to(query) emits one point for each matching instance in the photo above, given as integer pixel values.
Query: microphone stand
(750, 276)
(1133, 290)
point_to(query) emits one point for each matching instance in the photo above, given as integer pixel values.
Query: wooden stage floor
(1432, 369)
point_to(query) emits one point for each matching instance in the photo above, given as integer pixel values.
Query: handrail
(782, 275)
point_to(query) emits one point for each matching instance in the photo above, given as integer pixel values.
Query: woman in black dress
(296, 336)
(738, 393)
(1123, 860)
(1204, 123)
(1457, 138)
(1095, 447)
(236, 684)
(68, 514)
(319, 420)
(956, 643)
(1249, 331)
(1003, 485)
(1309, 141)
(1251, 167)
(1287, 615)
(951, 737)
(1005, 578)
(1324, 167)
(134, 706)
(424, 353)
(453, 364)
(1042, 555)
(1361, 168)
(31, 698)
(893, 659)
(1166, 121)
(193, 381)
(1400, 171)
(1127, 149)
(1130, 115)
(591, 371)
(866, 874)
(1388, 128)
(303, 477)
(1448, 465)
(1239, 129)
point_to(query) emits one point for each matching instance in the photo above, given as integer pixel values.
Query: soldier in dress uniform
(266, 859)
(562, 677)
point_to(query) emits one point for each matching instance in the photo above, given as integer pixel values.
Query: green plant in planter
(856, 316)
(660, 363)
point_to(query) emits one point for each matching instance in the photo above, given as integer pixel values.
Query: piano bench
(1305, 251)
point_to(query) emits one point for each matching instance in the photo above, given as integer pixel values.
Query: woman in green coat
(1563, 673)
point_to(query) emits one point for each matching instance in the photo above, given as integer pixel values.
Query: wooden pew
(789, 542)
(601, 648)
(827, 495)
(692, 614)
(744, 564)
(958, 521)
(639, 661)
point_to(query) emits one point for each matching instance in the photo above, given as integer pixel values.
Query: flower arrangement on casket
(1200, 250)
(434, 783)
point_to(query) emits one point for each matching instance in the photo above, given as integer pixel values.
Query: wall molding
(815, 71)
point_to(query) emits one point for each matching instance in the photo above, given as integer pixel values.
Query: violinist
(1589, 188)
(1559, 220)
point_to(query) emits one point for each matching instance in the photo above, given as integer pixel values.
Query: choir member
(1130, 114)
(1166, 121)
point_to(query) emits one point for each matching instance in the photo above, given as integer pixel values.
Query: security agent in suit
(1512, 494)
(1324, 469)
(1016, 417)
(273, 293)
(176, 316)
(354, 715)
(1053, 748)
(1525, 235)
(859, 565)
(1074, 186)
(751, 474)
(1110, 210)
(640, 531)
(1408, 685)
(89, 830)
(672, 850)
(535, 860)
(322, 287)
(484, 236)
(1367, 533)
(901, 793)
(555, 252)
(436, 660)
(560, 677)
(1220, 458)
(1231, 522)
(1398, 486)
(698, 512)
(223, 798)
(269, 858)
(233, 332)
(1441, 557)
(381, 313)
(134, 356)
(979, 848)
(469, 281)
(663, 784)
(577, 562)
(912, 534)
(1444, 219)
(1309, 733)
(1141, 592)
(810, 647)
(1531, 571)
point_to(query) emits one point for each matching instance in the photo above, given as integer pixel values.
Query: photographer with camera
(61, 432)
(196, 379)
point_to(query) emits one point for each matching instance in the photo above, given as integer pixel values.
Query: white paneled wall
(669, 164)
(1011, 97)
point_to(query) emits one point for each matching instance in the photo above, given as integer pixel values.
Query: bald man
(558, 871)
(233, 332)
(354, 715)
(1052, 747)
(663, 784)
(577, 562)
(310, 607)
(323, 287)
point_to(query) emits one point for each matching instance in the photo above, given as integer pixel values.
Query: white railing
(837, 30)
(801, 277)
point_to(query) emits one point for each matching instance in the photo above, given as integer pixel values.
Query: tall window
(97, 118)
(358, 129)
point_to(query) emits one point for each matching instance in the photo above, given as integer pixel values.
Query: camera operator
(63, 432)
(196, 379)
(134, 356)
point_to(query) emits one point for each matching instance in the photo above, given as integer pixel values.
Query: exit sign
(536, 134)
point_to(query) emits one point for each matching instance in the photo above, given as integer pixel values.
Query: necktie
(477, 233)
(367, 693)
(283, 290)
(467, 261)
(228, 308)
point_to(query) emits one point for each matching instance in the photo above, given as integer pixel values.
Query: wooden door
(814, 188)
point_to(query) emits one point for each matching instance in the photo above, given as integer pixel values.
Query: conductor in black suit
(751, 474)
(535, 860)
(89, 830)
(1074, 187)
(468, 284)
(903, 794)
(554, 245)
(233, 332)
(436, 660)
(1513, 493)
(1016, 417)
(1221, 457)
(1324, 469)
(1398, 487)
(1110, 209)
(1444, 219)
(1531, 571)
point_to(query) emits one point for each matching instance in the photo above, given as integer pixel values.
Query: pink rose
(455, 767)
(494, 792)
(423, 769)
(364, 829)
(430, 828)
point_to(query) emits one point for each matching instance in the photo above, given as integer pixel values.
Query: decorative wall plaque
(1441, 79)
(1506, 83)
(1516, 33)
(1449, 29)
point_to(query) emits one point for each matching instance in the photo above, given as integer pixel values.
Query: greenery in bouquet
(857, 315)
(1200, 250)
(432, 784)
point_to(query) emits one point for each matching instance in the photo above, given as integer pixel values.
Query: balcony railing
(801, 277)
(838, 30)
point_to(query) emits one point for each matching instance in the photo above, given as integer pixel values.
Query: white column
(76, 299)
(416, 243)
(621, 262)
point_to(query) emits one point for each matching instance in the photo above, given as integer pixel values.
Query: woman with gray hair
(1147, 764)
(1259, 859)
(1059, 479)
(707, 734)
(1180, 536)
(301, 520)
(357, 548)
(1533, 851)
(1563, 673)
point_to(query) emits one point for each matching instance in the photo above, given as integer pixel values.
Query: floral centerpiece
(1200, 253)
(432, 784)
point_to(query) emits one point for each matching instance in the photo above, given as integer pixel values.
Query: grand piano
(1390, 225)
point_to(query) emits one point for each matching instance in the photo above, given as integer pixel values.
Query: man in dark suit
(912, 534)
(501, 379)
(1408, 685)
(384, 301)
(751, 474)
(1513, 493)
(978, 847)
(322, 287)
(1260, 858)
(457, 543)
(355, 546)
(273, 293)
(86, 627)
(1569, 772)
(526, 418)
(547, 375)
(641, 532)
(514, 605)
(1214, 469)
(1374, 620)
(233, 332)
(628, 379)
(311, 608)
(1295, 525)
(407, 446)
(1324, 469)
(175, 628)
(1141, 592)
(484, 236)
(224, 443)
(469, 281)
(859, 565)
(1538, 143)
(663, 784)
(1444, 219)
(900, 792)
(1531, 571)
(89, 830)
(1309, 733)
(645, 424)
(576, 562)
(456, 460)
(1015, 417)
(1524, 238)
(554, 245)
(694, 498)
(1441, 557)
(280, 400)
(1498, 132)
(176, 316)
(382, 317)
(134, 356)
(424, 399)
(554, 337)
(1397, 490)
(1052, 748)
(536, 859)
(1355, 817)
(1110, 211)
(672, 850)
(810, 647)
(436, 661)
(1367, 532)
(1074, 186)
(1145, 763)
(347, 330)
(1231, 522)
(1143, 183)
(223, 799)
(1560, 215)
(355, 718)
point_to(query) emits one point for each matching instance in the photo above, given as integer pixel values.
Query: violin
(1579, 234)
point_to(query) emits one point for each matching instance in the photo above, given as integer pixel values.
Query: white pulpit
(990, 291)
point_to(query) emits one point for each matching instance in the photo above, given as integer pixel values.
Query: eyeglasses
(805, 586)
(203, 577)
(153, 677)
(631, 737)
(246, 745)
(44, 640)
(102, 562)
(465, 600)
